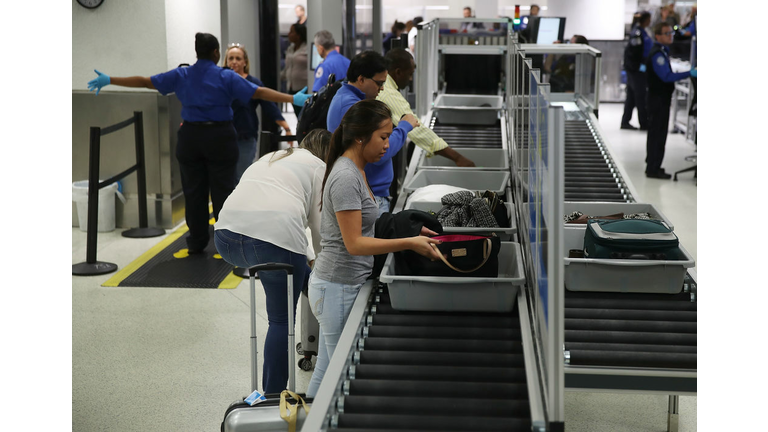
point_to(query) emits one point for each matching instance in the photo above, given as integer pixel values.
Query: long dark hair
(360, 122)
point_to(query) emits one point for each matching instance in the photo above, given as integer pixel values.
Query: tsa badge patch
(660, 60)
(319, 72)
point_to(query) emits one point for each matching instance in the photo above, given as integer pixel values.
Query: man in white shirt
(412, 34)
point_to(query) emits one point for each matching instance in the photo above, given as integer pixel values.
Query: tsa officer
(207, 141)
(637, 49)
(661, 85)
(333, 63)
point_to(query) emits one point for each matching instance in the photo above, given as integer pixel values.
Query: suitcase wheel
(299, 350)
(305, 364)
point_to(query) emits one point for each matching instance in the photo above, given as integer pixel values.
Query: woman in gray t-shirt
(348, 218)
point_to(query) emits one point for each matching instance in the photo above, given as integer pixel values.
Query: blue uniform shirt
(246, 121)
(205, 90)
(334, 63)
(647, 43)
(381, 173)
(663, 69)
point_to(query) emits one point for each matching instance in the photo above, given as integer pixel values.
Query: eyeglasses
(235, 45)
(379, 83)
(669, 33)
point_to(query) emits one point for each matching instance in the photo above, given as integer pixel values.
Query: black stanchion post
(143, 231)
(91, 267)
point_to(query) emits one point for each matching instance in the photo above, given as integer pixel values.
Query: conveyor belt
(463, 136)
(590, 174)
(435, 371)
(632, 330)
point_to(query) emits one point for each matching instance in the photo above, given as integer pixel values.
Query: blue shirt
(380, 174)
(334, 63)
(246, 121)
(647, 43)
(663, 69)
(205, 90)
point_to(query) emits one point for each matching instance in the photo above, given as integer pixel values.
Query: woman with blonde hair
(265, 220)
(245, 119)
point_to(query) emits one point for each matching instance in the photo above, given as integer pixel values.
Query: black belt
(208, 123)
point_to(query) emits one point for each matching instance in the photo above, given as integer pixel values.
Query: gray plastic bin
(495, 181)
(503, 233)
(484, 159)
(467, 109)
(614, 275)
(462, 294)
(604, 209)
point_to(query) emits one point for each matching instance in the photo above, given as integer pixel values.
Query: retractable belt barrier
(92, 267)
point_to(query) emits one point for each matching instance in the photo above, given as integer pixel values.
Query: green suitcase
(635, 239)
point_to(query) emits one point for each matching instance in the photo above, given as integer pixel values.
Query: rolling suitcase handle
(288, 268)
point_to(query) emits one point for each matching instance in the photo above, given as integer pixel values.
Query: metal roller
(443, 345)
(441, 373)
(429, 358)
(443, 332)
(629, 314)
(629, 347)
(633, 359)
(630, 337)
(445, 422)
(630, 325)
(444, 321)
(410, 405)
(438, 388)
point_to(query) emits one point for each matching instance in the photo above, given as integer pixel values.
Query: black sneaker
(628, 127)
(659, 175)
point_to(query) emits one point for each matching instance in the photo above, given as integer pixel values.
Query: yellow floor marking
(230, 282)
(182, 253)
(217, 256)
(146, 256)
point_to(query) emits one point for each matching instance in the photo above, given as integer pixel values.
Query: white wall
(138, 37)
(595, 19)
(184, 18)
(120, 38)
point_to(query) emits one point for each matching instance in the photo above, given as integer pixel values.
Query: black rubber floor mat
(172, 267)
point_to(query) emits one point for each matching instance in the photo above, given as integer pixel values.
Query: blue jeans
(383, 203)
(331, 303)
(248, 147)
(244, 251)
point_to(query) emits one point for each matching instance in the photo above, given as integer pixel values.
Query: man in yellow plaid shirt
(401, 68)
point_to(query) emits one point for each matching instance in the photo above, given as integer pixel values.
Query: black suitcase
(266, 416)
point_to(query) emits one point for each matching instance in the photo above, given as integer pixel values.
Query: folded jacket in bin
(463, 256)
(631, 239)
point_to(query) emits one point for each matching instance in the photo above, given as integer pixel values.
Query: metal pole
(93, 195)
(138, 127)
(673, 414)
(143, 231)
(291, 336)
(254, 340)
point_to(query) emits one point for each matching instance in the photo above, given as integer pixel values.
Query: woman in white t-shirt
(265, 220)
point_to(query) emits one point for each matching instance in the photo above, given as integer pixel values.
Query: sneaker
(628, 127)
(659, 175)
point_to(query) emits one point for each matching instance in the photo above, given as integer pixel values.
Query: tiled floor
(162, 359)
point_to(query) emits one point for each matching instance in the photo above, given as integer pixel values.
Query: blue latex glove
(693, 72)
(300, 97)
(97, 83)
(642, 67)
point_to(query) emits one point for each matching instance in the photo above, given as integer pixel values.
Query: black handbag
(462, 256)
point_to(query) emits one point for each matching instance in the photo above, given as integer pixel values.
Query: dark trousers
(636, 97)
(207, 159)
(658, 126)
(244, 251)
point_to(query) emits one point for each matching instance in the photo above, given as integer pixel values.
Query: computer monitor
(547, 30)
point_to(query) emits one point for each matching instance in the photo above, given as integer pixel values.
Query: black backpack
(314, 114)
